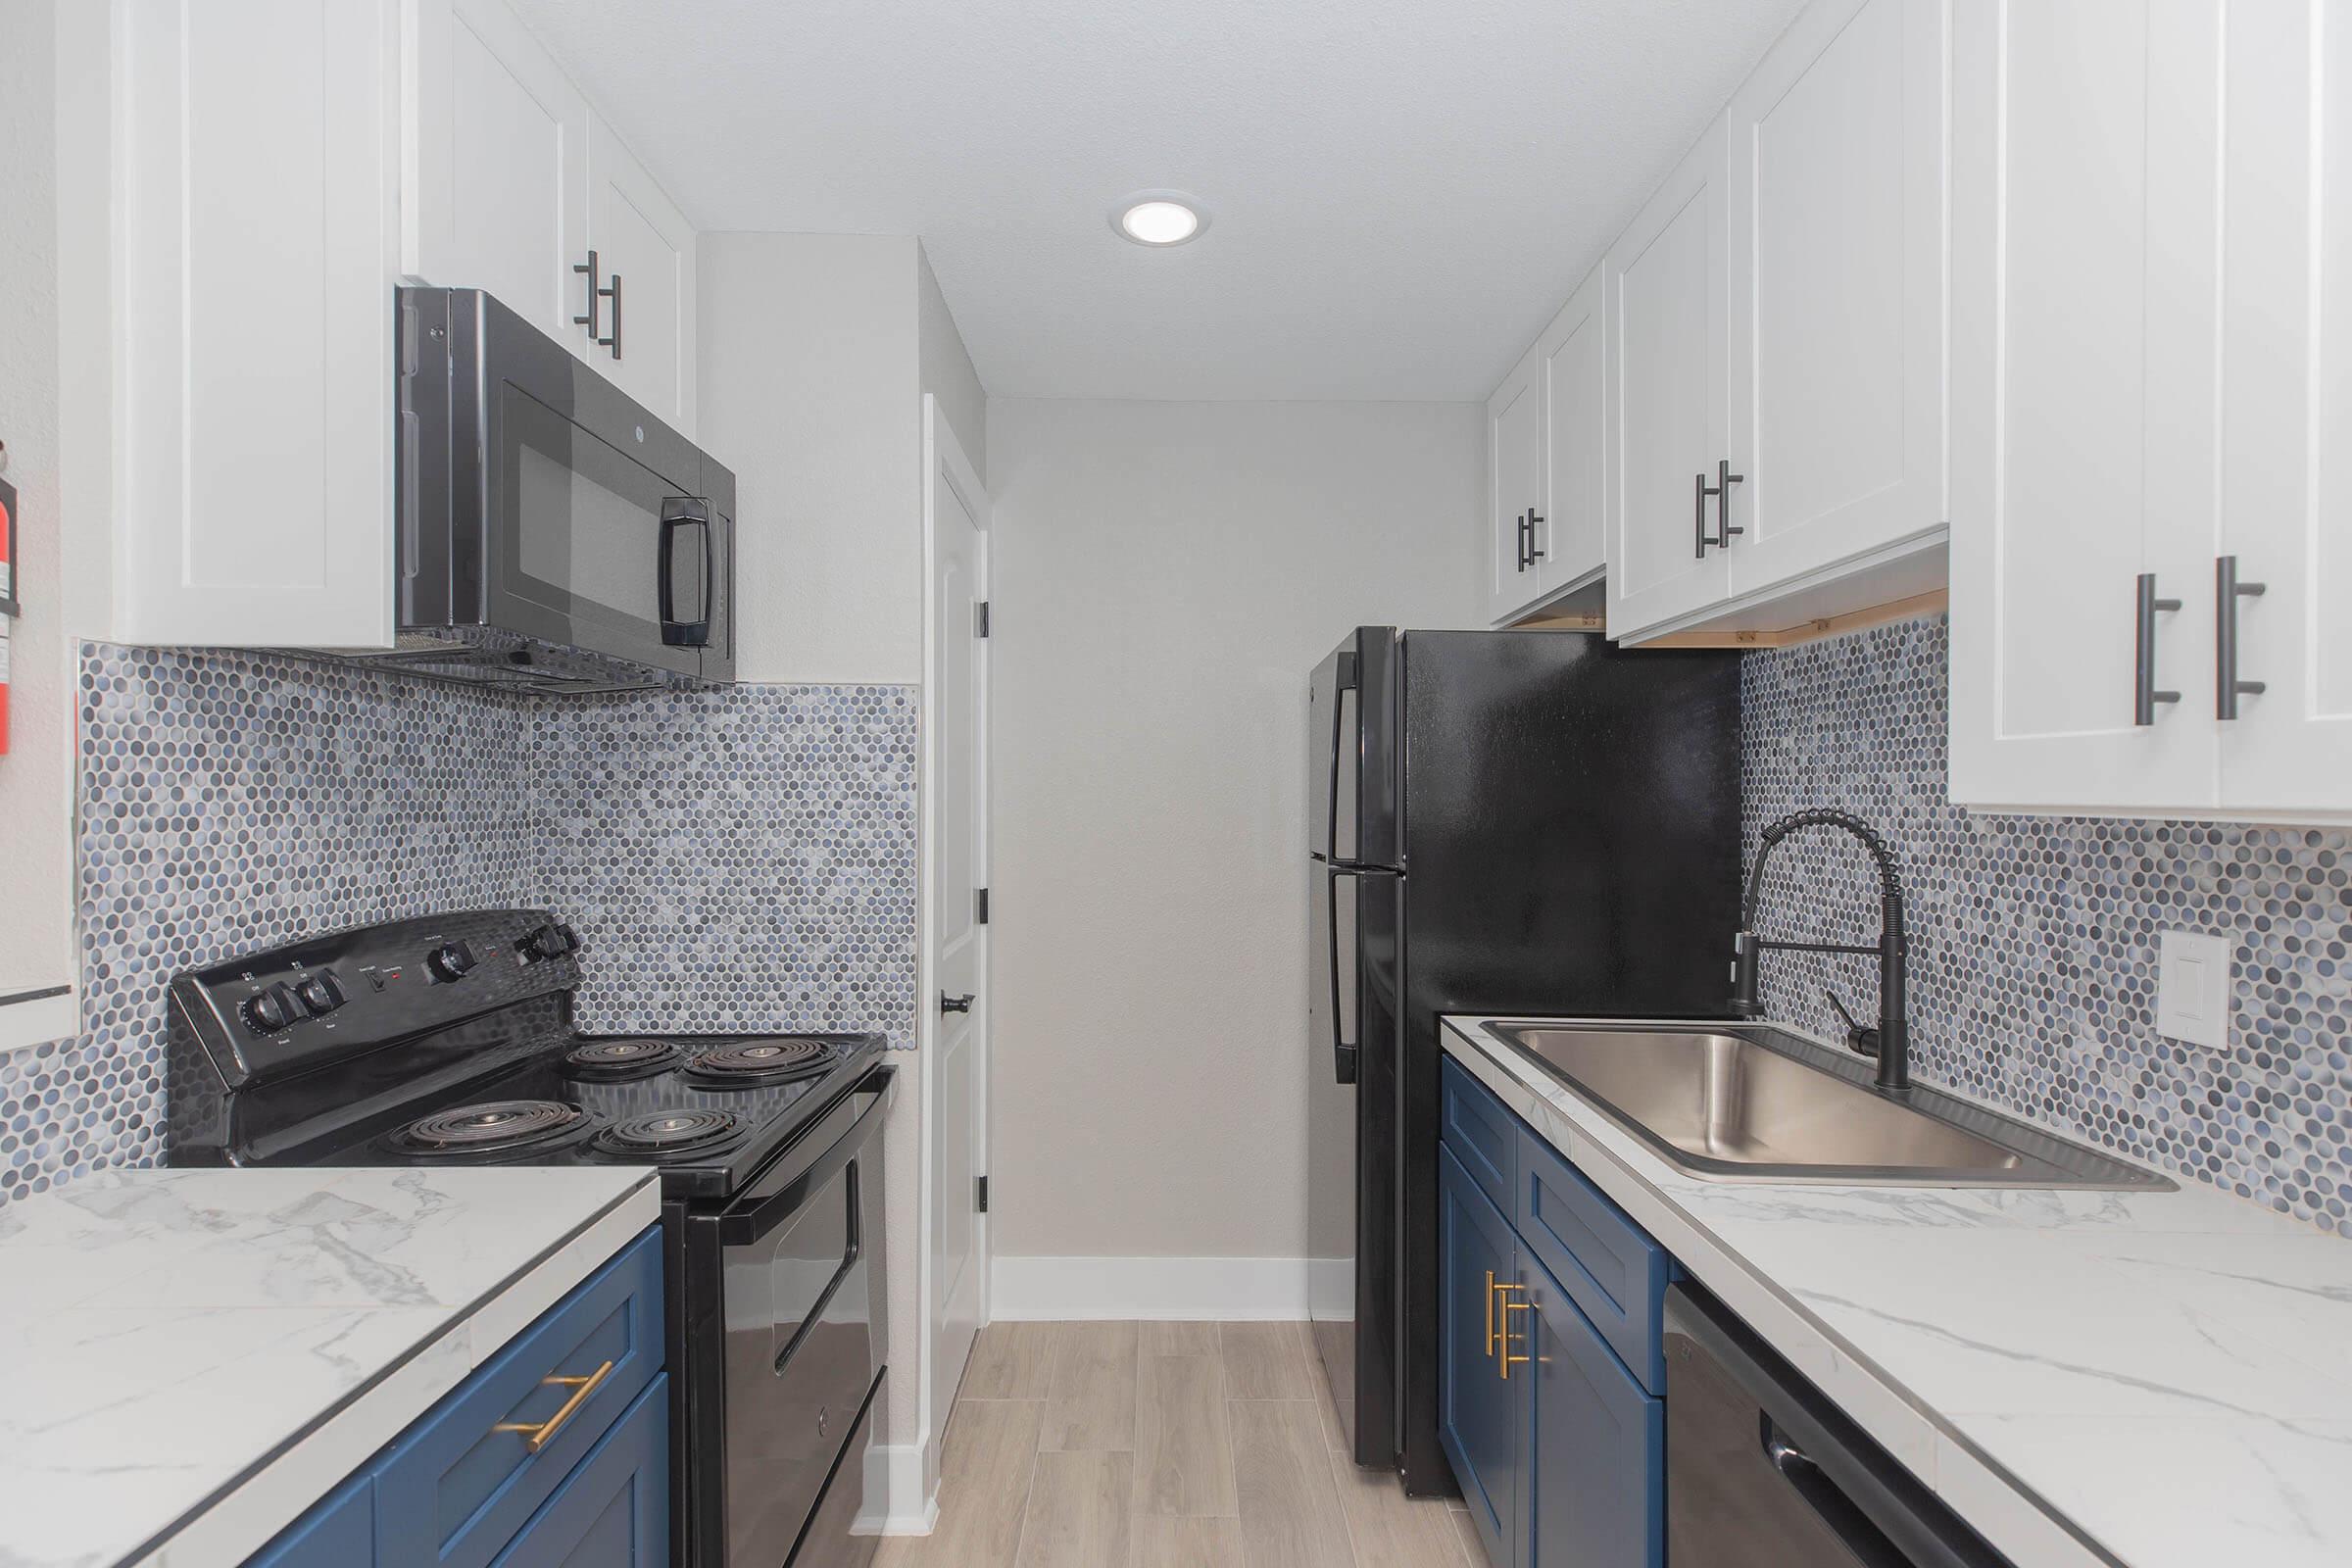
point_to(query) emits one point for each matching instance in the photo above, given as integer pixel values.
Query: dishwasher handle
(1830, 1504)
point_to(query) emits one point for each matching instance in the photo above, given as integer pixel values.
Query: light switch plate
(2192, 988)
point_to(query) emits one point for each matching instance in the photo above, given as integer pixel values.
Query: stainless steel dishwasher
(1762, 1471)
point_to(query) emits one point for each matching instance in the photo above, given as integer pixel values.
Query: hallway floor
(1165, 1446)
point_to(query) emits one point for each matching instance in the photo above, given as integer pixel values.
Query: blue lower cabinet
(613, 1511)
(1561, 1456)
(338, 1531)
(1596, 1447)
(555, 1451)
(1478, 1414)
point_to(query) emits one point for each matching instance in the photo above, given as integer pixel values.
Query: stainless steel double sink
(1752, 1101)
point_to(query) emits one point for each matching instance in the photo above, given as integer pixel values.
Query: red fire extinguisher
(8, 594)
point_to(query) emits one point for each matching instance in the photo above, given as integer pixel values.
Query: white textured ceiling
(1403, 191)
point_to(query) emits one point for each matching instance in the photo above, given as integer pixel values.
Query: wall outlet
(2192, 988)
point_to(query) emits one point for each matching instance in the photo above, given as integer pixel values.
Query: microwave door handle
(678, 631)
(1343, 1050)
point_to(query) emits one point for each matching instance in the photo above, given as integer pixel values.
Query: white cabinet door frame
(645, 248)
(2086, 402)
(494, 164)
(1574, 376)
(1836, 249)
(257, 246)
(1514, 486)
(1663, 294)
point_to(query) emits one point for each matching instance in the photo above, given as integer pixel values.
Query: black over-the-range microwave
(554, 534)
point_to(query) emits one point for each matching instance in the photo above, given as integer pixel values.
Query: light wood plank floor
(1165, 1446)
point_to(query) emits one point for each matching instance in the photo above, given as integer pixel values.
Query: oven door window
(800, 1357)
(588, 531)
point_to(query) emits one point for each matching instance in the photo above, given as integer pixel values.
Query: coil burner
(606, 1061)
(495, 1127)
(672, 1134)
(765, 1061)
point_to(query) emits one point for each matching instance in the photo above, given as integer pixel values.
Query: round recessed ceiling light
(1158, 218)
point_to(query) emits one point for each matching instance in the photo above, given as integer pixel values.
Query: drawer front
(339, 1532)
(1612, 1270)
(1595, 1467)
(461, 1482)
(1482, 1132)
(613, 1511)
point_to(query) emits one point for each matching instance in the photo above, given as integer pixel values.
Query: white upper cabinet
(1663, 304)
(2148, 381)
(1834, 261)
(1570, 535)
(645, 255)
(1514, 489)
(497, 167)
(255, 246)
(513, 184)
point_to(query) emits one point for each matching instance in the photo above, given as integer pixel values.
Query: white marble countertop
(191, 1358)
(2162, 1380)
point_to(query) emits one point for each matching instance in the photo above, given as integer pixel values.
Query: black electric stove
(449, 1041)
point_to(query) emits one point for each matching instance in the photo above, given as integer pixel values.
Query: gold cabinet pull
(539, 1435)
(1507, 1359)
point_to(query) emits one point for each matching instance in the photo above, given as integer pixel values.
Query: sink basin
(1731, 1101)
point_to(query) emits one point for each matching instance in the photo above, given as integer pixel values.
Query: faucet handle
(1858, 1035)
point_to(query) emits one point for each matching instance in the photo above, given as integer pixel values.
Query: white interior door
(956, 941)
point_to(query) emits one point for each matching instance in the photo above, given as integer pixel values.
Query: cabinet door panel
(1477, 1413)
(1664, 299)
(1574, 541)
(644, 246)
(1514, 484)
(258, 235)
(2084, 398)
(499, 167)
(1595, 1465)
(1836, 255)
(2286, 340)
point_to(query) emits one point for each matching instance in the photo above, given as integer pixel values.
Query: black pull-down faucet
(1894, 1031)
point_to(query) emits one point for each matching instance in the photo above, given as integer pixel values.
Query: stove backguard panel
(741, 859)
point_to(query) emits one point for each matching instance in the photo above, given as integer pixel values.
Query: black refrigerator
(1513, 822)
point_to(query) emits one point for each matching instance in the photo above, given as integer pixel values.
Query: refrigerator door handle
(1344, 680)
(1343, 1050)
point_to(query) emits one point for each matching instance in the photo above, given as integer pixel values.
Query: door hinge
(980, 617)
(980, 905)
(981, 1196)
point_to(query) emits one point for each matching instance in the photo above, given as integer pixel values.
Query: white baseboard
(1227, 1288)
(896, 1503)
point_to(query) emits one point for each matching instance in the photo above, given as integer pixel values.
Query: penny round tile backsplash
(2033, 938)
(738, 859)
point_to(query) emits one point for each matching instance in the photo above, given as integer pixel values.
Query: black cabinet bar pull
(2227, 591)
(594, 294)
(1535, 520)
(614, 294)
(2145, 695)
(1699, 513)
(1725, 478)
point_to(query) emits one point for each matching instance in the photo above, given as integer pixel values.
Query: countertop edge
(246, 1513)
(2013, 1518)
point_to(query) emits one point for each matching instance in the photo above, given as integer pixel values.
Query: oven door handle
(849, 1255)
(767, 1212)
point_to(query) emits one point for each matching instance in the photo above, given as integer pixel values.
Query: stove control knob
(547, 941)
(320, 994)
(452, 961)
(270, 1011)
